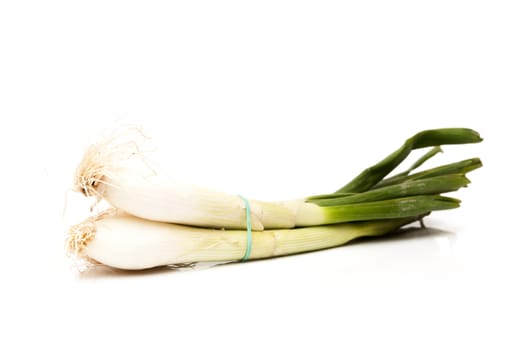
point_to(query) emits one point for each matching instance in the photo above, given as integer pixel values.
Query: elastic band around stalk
(249, 229)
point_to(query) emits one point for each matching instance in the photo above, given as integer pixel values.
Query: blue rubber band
(249, 228)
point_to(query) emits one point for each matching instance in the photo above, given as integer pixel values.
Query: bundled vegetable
(152, 226)
(118, 173)
(120, 240)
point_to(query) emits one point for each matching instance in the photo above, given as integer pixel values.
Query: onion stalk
(117, 171)
(119, 240)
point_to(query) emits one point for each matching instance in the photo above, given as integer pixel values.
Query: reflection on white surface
(411, 256)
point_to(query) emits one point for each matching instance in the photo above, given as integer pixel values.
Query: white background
(272, 99)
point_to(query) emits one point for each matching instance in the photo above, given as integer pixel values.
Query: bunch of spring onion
(158, 220)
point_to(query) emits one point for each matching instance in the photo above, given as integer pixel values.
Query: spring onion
(117, 171)
(123, 241)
